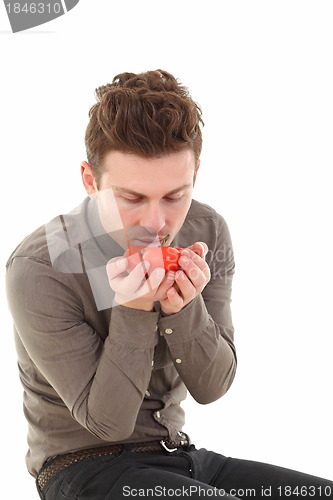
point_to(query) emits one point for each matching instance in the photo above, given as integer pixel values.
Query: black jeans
(189, 473)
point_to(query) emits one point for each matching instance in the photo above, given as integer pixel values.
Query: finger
(137, 276)
(168, 281)
(195, 267)
(128, 284)
(116, 266)
(154, 280)
(200, 248)
(186, 287)
(199, 261)
(175, 299)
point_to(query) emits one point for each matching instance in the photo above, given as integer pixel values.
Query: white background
(262, 72)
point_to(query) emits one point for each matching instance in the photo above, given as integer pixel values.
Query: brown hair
(147, 114)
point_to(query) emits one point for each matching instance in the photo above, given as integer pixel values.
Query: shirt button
(178, 360)
(158, 415)
(147, 393)
(168, 331)
(152, 363)
(156, 328)
(161, 333)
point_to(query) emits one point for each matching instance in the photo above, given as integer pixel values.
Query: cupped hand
(189, 281)
(137, 289)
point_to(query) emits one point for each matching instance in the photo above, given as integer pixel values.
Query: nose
(153, 217)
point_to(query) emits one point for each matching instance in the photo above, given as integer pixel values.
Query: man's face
(151, 196)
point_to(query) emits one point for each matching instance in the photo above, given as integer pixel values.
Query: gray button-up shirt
(94, 372)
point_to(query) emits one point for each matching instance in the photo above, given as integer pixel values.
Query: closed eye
(137, 200)
(173, 199)
(132, 200)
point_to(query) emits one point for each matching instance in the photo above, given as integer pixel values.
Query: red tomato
(166, 257)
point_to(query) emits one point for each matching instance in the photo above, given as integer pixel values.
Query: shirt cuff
(188, 323)
(133, 327)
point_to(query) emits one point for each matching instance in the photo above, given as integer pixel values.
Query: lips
(146, 242)
(153, 241)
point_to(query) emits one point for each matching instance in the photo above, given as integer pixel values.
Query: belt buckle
(170, 450)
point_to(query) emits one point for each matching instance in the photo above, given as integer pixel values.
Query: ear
(196, 171)
(88, 180)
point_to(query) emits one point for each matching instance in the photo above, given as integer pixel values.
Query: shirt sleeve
(89, 375)
(201, 336)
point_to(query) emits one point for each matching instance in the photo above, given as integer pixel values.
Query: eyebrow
(135, 193)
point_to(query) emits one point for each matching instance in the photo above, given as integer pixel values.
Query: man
(107, 350)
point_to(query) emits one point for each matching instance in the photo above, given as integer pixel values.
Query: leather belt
(59, 463)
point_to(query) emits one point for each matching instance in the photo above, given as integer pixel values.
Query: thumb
(200, 248)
